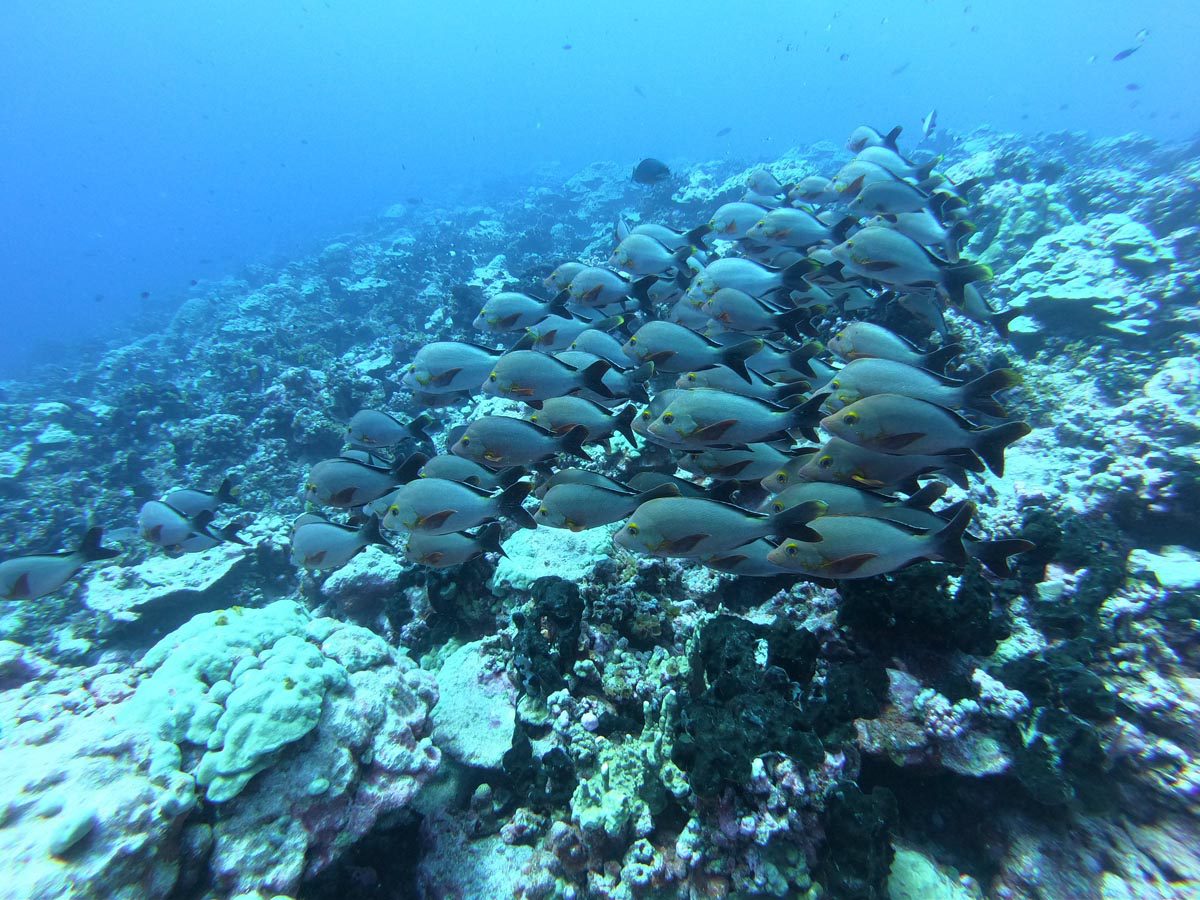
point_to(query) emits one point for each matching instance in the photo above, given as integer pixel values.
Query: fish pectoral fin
(508, 321)
(899, 441)
(444, 378)
(315, 559)
(435, 520)
(20, 589)
(432, 559)
(521, 392)
(714, 431)
(868, 482)
(877, 265)
(848, 564)
(684, 544)
(344, 497)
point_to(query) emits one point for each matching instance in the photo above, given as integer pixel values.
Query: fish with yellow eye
(841, 462)
(531, 376)
(849, 547)
(692, 527)
(500, 441)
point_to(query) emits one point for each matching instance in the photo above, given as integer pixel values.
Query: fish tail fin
(935, 360)
(793, 521)
(735, 357)
(592, 377)
(801, 360)
(889, 139)
(955, 278)
(509, 476)
(695, 237)
(571, 442)
(682, 255)
(509, 503)
(640, 291)
(948, 542)
(838, 232)
(943, 203)
(978, 394)
(795, 276)
(795, 323)
(527, 341)
(967, 185)
(1000, 321)
(417, 429)
(923, 171)
(958, 464)
(228, 491)
(370, 532)
(489, 537)
(230, 535)
(834, 271)
(637, 382)
(805, 414)
(926, 495)
(558, 304)
(624, 423)
(90, 548)
(405, 470)
(993, 555)
(659, 492)
(994, 441)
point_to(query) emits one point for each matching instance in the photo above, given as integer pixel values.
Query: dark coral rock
(858, 845)
(740, 705)
(539, 783)
(542, 661)
(913, 608)
(1061, 761)
(1060, 677)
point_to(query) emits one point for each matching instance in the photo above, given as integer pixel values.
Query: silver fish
(892, 423)
(866, 340)
(375, 428)
(440, 507)
(446, 367)
(673, 348)
(733, 221)
(705, 418)
(687, 527)
(865, 377)
(318, 544)
(456, 468)
(441, 551)
(31, 577)
(512, 311)
(579, 506)
(346, 482)
(840, 462)
(886, 255)
(532, 377)
(849, 547)
(560, 414)
(865, 136)
(500, 441)
(191, 501)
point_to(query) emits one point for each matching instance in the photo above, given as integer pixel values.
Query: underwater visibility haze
(581, 451)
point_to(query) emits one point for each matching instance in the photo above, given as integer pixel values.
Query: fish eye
(835, 384)
(781, 477)
(533, 418)
(492, 377)
(464, 440)
(633, 340)
(791, 549)
(691, 376)
(542, 511)
(668, 418)
(777, 506)
(825, 462)
(393, 510)
(850, 418)
(631, 528)
(310, 487)
(646, 415)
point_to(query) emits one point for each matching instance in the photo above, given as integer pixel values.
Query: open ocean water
(575, 451)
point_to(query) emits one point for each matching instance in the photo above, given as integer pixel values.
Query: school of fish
(698, 348)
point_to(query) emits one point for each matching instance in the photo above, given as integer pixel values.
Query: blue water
(147, 149)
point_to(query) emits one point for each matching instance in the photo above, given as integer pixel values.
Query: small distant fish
(638, 90)
(724, 131)
(1133, 86)
(1125, 54)
(651, 171)
(1141, 36)
(31, 577)
(500, 441)
(566, 46)
(928, 124)
(900, 68)
(844, 57)
(145, 295)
